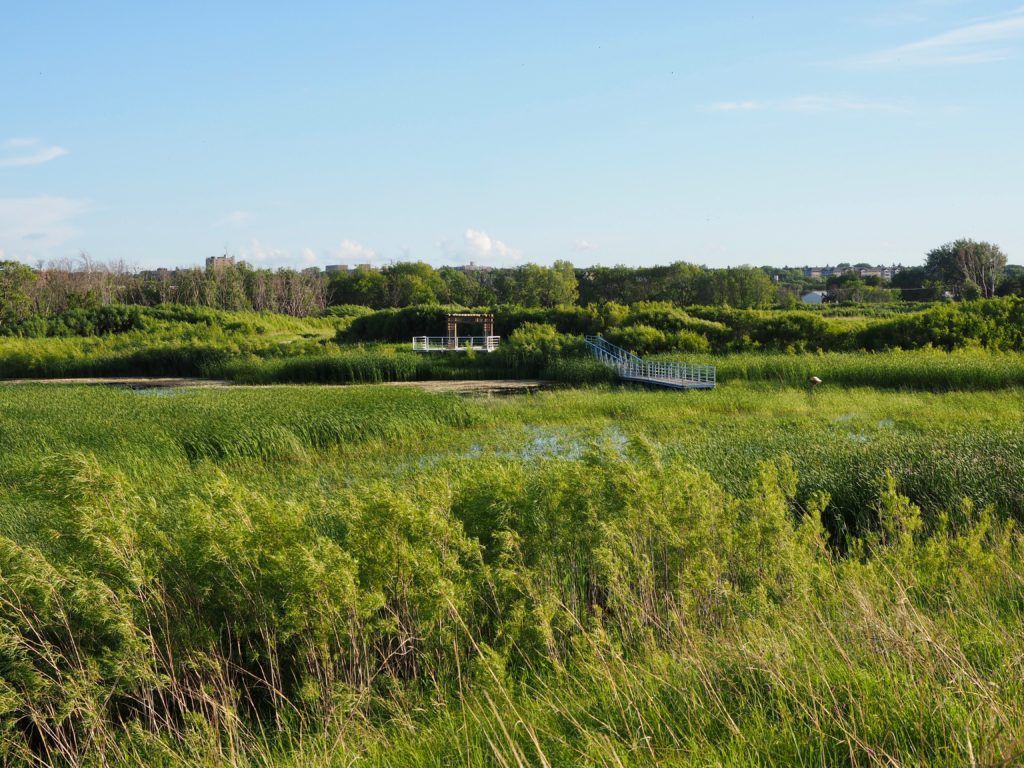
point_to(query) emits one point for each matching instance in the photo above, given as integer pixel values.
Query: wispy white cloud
(807, 104)
(582, 246)
(19, 152)
(981, 41)
(477, 244)
(235, 219)
(32, 226)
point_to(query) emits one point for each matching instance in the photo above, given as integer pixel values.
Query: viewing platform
(455, 343)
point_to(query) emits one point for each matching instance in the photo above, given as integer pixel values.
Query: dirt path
(479, 386)
(462, 386)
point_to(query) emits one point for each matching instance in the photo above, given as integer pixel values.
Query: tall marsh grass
(297, 576)
(927, 369)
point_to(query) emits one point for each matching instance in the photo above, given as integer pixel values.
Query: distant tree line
(60, 287)
(530, 285)
(963, 269)
(64, 286)
(408, 283)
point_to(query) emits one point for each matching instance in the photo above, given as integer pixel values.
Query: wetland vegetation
(317, 576)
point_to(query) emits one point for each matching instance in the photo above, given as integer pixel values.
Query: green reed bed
(604, 576)
(926, 369)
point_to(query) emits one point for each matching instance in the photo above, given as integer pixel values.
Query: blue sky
(635, 133)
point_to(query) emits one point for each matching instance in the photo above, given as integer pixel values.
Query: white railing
(455, 343)
(683, 373)
(631, 367)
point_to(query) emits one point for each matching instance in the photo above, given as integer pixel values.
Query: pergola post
(453, 332)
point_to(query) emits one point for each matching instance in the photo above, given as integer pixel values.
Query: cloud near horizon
(478, 245)
(20, 152)
(352, 253)
(260, 254)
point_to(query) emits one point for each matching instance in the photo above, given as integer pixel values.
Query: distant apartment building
(823, 273)
(334, 269)
(473, 267)
(214, 263)
(885, 273)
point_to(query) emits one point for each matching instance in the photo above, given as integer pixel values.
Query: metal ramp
(629, 367)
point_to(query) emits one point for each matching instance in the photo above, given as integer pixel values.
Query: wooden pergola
(486, 320)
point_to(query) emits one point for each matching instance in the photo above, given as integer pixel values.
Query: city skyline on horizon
(74, 259)
(86, 261)
(725, 136)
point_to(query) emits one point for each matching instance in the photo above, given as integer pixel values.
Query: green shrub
(91, 321)
(687, 341)
(991, 323)
(639, 339)
(534, 347)
(399, 325)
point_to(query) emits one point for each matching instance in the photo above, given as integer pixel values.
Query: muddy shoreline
(461, 386)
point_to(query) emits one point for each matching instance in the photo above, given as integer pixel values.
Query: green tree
(412, 283)
(741, 287)
(365, 287)
(16, 282)
(678, 284)
(1012, 283)
(230, 283)
(459, 287)
(916, 284)
(563, 288)
(535, 286)
(967, 266)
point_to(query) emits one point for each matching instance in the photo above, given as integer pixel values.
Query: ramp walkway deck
(629, 367)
